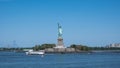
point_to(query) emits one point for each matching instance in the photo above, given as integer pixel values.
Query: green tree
(80, 47)
(43, 46)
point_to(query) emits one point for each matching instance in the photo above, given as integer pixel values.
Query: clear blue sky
(88, 22)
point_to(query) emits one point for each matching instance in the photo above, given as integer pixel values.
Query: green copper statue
(59, 31)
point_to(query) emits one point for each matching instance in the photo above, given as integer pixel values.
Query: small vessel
(31, 52)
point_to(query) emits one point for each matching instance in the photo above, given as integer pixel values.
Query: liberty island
(59, 48)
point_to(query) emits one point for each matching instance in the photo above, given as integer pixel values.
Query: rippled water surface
(83, 60)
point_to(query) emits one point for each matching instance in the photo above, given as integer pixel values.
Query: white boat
(31, 52)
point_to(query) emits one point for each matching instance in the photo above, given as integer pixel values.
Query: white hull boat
(31, 52)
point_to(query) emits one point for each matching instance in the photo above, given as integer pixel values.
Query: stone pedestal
(60, 43)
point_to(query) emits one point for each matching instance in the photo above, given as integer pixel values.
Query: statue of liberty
(60, 43)
(59, 31)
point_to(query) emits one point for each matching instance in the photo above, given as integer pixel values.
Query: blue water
(83, 60)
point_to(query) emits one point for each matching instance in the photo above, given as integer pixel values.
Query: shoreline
(65, 52)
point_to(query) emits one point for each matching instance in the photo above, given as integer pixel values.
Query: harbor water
(77, 60)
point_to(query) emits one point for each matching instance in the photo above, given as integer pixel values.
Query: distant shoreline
(92, 51)
(113, 51)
